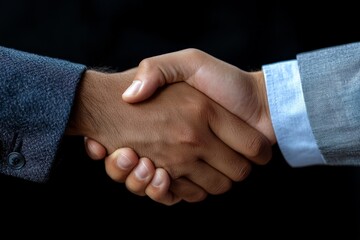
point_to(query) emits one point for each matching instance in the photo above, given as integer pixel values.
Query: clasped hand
(181, 141)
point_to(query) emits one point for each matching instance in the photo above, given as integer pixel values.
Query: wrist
(265, 123)
(99, 108)
(81, 119)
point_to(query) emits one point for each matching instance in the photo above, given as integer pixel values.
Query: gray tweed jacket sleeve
(36, 96)
(331, 84)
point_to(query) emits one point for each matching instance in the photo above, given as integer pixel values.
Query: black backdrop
(275, 201)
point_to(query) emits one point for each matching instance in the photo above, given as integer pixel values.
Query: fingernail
(124, 162)
(141, 171)
(157, 180)
(133, 89)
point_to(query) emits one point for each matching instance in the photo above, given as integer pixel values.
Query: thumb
(139, 90)
(157, 71)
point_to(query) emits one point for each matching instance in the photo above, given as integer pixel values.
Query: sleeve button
(15, 160)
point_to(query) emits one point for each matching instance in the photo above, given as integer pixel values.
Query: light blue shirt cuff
(289, 116)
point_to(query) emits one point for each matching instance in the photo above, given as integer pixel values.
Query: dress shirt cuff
(289, 116)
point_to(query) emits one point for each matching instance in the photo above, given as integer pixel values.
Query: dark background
(275, 201)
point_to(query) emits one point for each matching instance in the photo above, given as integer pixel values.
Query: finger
(187, 190)
(94, 150)
(159, 189)
(240, 136)
(225, 160)
(157, 71)
(120, 163)
(140, 177)
(208, 178)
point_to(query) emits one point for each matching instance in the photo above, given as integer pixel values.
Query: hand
(242, 93)
(221, 81)
(124, 166)
(181, 135)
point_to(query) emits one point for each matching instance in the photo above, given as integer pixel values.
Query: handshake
(187, 125)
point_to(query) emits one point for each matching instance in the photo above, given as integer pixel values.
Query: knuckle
(241, 171)
(187, 191)
(266, 156)
(197, 196)
(113, 174)
(173, 170)
(191, 137)
(257, 145)
(134, 188)
(178, 166)
(221, 187)
(157, 197)
(146, 64)
(193, 52)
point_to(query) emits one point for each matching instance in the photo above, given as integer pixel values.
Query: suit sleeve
(36, 97)
(330, 80)
(289, 116)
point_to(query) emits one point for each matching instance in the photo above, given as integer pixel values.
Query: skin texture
(242, 93)
(195, 140)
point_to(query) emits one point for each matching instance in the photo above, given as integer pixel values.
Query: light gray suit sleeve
(331, 85)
